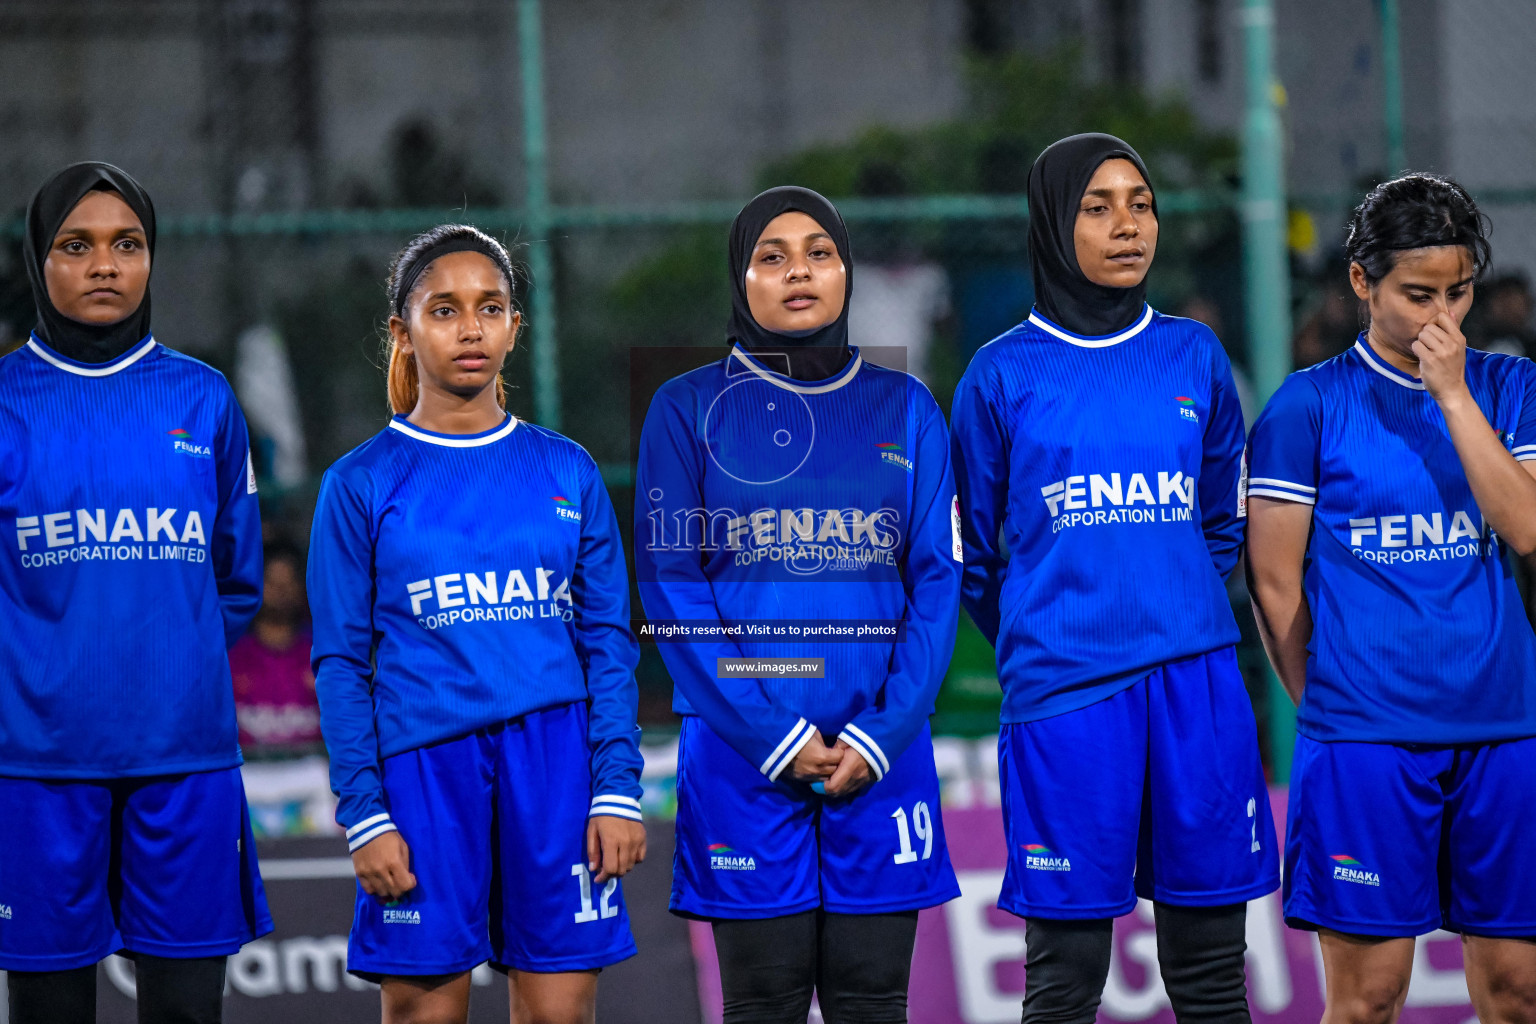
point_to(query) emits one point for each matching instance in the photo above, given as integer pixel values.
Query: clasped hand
(841, 769)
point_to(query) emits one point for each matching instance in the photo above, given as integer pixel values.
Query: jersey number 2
(922, 824)
(588, 912)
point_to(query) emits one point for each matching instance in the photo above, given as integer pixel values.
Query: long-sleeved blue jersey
(763, 500)
(1417, 631)
(1110, 467)
(133, 559)
(461, 580)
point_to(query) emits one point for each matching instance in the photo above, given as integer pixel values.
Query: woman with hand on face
(1098, 449)
(1386, 485)
(788, 485)
(475, 668)
(133, 560)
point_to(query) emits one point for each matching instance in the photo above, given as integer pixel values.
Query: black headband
(412, 271)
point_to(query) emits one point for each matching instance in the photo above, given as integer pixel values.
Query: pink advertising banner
(969, 963)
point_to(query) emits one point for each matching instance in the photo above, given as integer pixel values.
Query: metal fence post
(539, 219)
(1266, 274)
(1392, 89)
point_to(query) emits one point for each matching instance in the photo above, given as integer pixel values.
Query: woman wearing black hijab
(1102, 441)
(801, 498)
(125, 476)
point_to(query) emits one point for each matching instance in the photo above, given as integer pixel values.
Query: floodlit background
(291, 146)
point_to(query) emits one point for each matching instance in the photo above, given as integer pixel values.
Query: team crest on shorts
(1347, 869)
(723, 858)
(1042, 858)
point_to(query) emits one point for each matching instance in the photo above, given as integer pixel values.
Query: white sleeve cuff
(868, 749)
(1283, 490)
(615, 807)
(788, 747)
(367, 830)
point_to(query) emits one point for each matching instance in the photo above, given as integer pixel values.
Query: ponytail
(404, 381)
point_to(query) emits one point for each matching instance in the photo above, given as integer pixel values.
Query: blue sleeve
(673, 586)
(236, 541)
(1525, 427)
(1223, 507)
(600, 597)
(341, 591)
(1283, 450)
(931, 576)
(980, 446)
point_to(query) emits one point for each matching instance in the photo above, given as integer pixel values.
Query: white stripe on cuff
(1273, 482)
(353, 845)
(1525, 454)
(1525, 448)
(366, 824)
(793, 734)
(868, 749)
(627, 801)
(614, 811)
(1265, 492)
(798, 737)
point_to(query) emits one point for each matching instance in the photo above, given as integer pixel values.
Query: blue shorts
(1400, 840)
(164, 866)
(496, 822)
(1155, 792)
(748, 847)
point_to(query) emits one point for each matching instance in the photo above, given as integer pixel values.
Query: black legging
(170, 992)
(1199, 953)
(857, 964)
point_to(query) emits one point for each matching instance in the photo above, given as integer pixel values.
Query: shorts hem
(373, 971)
(1019, 908)
(735, 912)
(193, 950)
(1495, 931)
(57, 773)
(58, 962)
(922, 902)
(564, 964)
(1215, 899)
(1374, 930)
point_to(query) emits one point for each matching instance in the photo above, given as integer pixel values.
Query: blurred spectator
(897, 307)
(1198, 307)
(274, 687)
(1335, 321)
(1501, 316)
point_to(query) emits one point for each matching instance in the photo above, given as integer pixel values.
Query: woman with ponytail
(1389, 486)
(475, 668)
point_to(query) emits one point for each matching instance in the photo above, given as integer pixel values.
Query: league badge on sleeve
(954, 529)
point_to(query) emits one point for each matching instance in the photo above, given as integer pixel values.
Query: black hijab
(1063, 294)
(53, 203)
(814, 356)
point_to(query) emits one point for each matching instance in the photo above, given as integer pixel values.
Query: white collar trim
(447, 441)
(779, 380)
(1391, 373)
(123, 361)
(1085, 341)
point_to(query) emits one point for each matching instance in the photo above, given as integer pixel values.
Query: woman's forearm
(1505, 490)
(1285, 627)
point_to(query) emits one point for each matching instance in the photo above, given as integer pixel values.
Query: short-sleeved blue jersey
(132, 559)
(761, 499)
(458, 581)
(1418, 635)
(1100, 498)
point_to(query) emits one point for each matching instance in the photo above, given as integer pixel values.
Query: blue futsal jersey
(762, 502)
(1418, 635)
(132, 559)
(459, 581)
(1100, 505)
